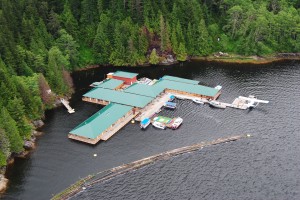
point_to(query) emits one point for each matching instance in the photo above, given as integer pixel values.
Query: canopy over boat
(145, 121)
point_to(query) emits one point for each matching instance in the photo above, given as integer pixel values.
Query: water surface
(266, 166)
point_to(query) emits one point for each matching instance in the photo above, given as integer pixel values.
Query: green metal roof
(110, 84)
(177, 79)
(119, 97)
(100, 121)
(125, 74)
(190, 88)
(144, 90)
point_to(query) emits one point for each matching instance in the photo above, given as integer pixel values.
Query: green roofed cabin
(144, 90)
(112, 84)
(98, 125)
(106, 96)
(188, 89)
(182, 80)
(128, 77)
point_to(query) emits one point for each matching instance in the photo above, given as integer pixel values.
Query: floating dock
(125, 98)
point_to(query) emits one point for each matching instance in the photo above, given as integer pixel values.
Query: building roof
(125, 74)
(144, 90)
(110, 84)
(101, 120)
(119, 97)
(177, 79)
(185, 87)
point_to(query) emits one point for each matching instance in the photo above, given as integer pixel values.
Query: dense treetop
(42, 40)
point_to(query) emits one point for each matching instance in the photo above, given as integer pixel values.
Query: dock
(125, 98)
(66, 104)
(153, 107)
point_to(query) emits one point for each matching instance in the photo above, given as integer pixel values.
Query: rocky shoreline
(240, 59)
(29, 146)
(3, 183)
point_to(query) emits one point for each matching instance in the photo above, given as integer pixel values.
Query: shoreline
(99, 177)
(229, 59)
(239, 59)
(29, 146)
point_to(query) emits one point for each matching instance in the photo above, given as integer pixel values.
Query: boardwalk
(150, 109)
(111, 131)
(66, 104)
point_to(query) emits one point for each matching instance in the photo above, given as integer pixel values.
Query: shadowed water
(265, 166)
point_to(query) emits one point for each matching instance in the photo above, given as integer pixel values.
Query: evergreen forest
(43, 41)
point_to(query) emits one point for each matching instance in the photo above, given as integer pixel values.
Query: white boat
(180, 97)
(216, 104)
(145, 123)
(198, 101)
(218, 87)
(159, 125)
(177, 122)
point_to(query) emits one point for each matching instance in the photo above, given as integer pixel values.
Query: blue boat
(172, 97)
(170, 105)
(145, 123)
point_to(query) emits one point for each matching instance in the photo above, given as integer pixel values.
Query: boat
(172, 97)
(145, 123)
(170, 105)
(198, 101)
(218, 87)
(176, 123)
(159, 125)
(252, 101)
(180, 97)
(216, 104)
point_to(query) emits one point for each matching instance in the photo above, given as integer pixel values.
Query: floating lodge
(125, 98)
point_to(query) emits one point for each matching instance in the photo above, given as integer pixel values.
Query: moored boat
(145, 123)
(176, 123)
(172, 97)
(198, 101)
(180, 97)
(159, 125)
(216, 104)
(170, 105)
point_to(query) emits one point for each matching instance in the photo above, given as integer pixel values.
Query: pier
(66, 104)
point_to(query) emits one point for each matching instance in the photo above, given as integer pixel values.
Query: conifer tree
(10, 127)
(154, 58)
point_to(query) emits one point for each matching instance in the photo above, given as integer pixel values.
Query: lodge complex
(125, 98)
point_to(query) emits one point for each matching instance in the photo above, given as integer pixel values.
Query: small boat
(170, 105)
(180, 97)
(145, 123)
(172, 97)
(159, 125)
(198, 101)
(216, 104)
(177, 122)
(218, 87)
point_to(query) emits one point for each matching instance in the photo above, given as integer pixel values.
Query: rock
(29, 145)
(37, 133)
(3, 183)
(38, 123)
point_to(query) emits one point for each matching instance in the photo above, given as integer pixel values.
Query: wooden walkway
(66, 104)
(238, 103)
(153, 107)
(115, 128)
